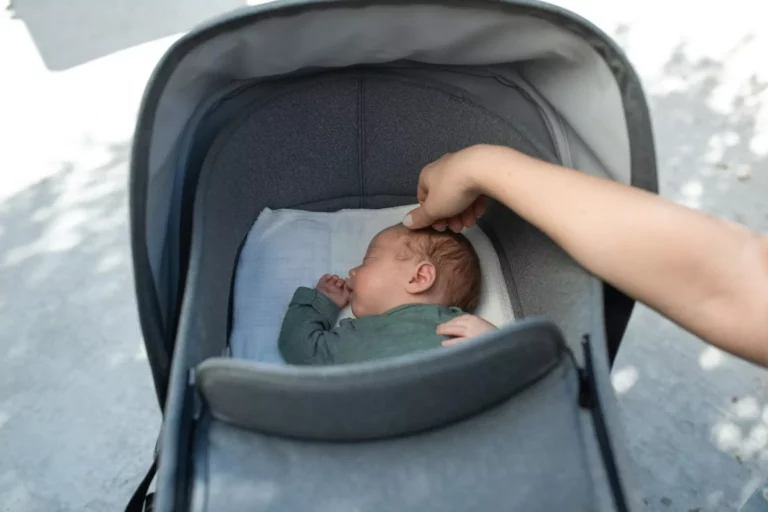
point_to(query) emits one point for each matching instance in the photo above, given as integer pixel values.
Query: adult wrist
(488, 160)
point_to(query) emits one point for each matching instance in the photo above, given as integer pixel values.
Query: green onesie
(308, 336)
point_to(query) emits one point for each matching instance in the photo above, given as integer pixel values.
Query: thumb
(417, 219)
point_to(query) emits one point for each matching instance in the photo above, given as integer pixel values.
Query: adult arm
(708, 275)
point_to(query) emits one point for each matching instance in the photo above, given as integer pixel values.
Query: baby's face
(377, 285)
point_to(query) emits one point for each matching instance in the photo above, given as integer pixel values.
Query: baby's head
(425, 266)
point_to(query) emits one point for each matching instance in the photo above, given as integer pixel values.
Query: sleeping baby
(408, 283)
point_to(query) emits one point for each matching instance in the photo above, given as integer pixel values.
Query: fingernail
(408, 221)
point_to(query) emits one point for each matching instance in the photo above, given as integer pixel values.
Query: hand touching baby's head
(424, 266)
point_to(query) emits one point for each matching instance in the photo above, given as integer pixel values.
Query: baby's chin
(360, 310)
(356, 309)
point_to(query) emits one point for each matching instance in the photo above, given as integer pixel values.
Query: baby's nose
(352, 272)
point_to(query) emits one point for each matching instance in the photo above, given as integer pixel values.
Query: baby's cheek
(382, 283)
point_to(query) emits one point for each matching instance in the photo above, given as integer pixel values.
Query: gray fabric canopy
(567, 61)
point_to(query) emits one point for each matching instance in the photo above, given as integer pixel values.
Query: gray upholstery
(350, 140)
(545, 280)
(385, 398)
(519, 455)
(571, 65)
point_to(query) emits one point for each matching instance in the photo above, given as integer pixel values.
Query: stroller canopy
(576, 69)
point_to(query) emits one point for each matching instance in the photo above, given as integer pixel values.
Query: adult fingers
(421, 193)
(440, 225)
(480, 205)
(455, 223)
(468, 218)
(418, 218)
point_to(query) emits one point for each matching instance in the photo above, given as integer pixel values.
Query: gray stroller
(327, 105)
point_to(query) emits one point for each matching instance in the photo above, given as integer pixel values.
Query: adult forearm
(708, 275)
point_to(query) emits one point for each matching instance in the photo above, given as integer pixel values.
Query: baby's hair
(456, 262)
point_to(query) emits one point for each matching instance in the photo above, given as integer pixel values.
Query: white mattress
(286, 249)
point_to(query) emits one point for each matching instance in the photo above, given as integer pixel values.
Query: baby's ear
(422, 278)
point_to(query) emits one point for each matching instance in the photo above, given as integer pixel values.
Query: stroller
(329, 105)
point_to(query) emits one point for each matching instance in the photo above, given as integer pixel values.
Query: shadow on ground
(697, 420)
(75, 385)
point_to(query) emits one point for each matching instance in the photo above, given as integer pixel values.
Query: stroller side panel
(492, 461)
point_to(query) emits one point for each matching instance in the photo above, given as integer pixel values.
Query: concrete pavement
(77, 414)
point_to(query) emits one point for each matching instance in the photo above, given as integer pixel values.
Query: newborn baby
(409, 283)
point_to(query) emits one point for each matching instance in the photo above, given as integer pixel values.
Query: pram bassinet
(330, 105)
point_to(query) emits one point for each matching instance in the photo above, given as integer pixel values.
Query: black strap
(140, 495)
(590, 398)
(618, 308)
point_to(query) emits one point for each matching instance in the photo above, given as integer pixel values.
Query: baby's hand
(464, 327)
(335, 288)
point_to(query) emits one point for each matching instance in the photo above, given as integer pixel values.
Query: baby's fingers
(453, 341)
(455, 327)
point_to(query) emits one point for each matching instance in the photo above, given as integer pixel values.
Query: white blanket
(286, 249)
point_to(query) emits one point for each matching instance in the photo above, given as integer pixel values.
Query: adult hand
(448, 194)
(463, 328)
(706, 274)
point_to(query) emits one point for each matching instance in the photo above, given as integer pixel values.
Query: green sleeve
(306, 336)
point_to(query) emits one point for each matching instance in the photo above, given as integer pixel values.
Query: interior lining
(335, 35)
(369, 34)
(258, 161)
